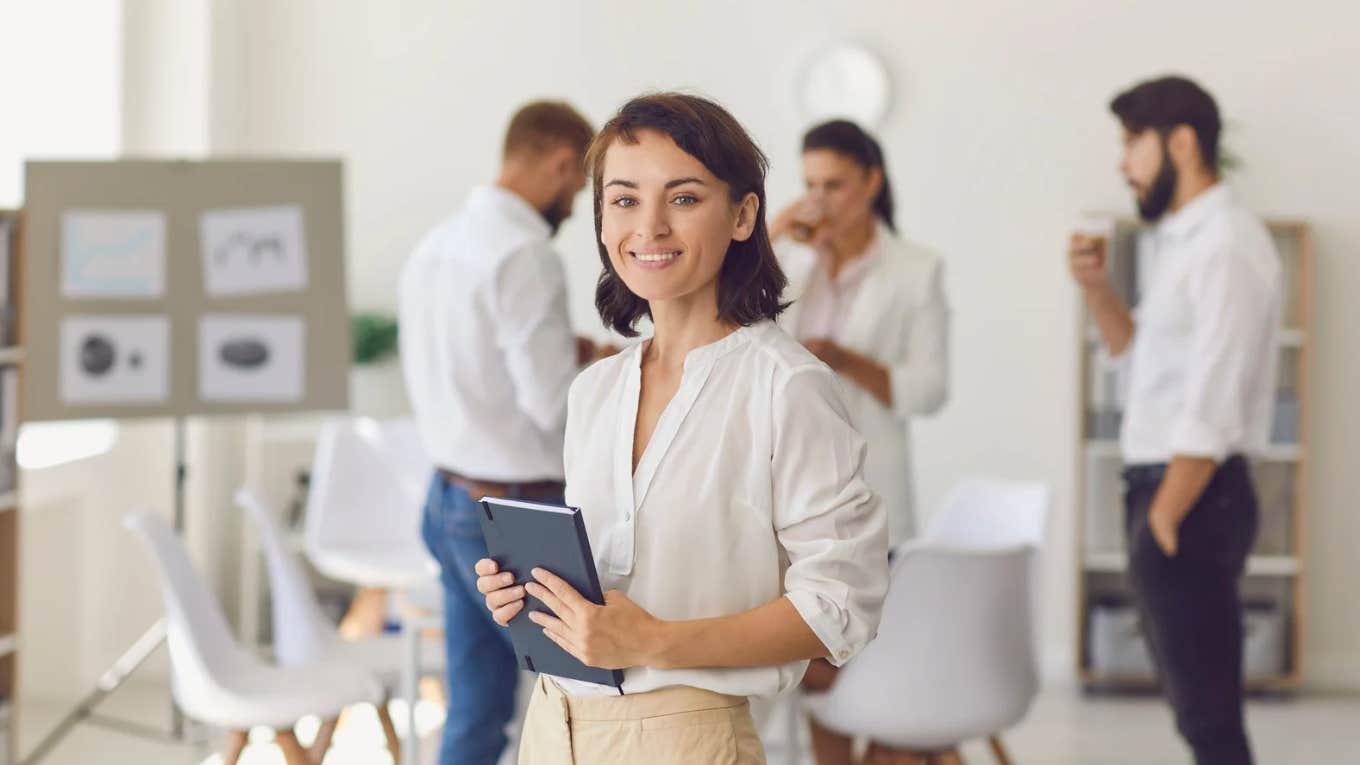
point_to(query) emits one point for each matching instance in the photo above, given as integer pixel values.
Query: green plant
(1228, 161)
(374, 336)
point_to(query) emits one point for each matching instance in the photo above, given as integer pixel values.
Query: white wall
(167, 56)
(62, 98)
(132, 80)
(62, 84)
(88, 588)
(998, 138)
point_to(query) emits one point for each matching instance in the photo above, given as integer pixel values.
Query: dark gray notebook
(522, 536)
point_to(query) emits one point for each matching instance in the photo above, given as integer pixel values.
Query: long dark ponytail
(846, 138)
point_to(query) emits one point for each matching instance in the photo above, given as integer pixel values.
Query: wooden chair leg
(365, 615)
(999, 749)
(828, 746)
(317, 751)
(882, 755)
(390, 731)
(293, 753)
(234, 745)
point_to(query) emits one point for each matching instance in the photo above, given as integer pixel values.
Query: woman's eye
(686, 199)
(624, 202)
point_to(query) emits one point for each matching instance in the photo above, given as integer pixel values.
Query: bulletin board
(174, 288)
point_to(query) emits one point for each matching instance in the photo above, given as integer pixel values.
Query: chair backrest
(203, 652)
(302, 633)
(954, 655)
(407, 457)
(367, 483)
(984, 513)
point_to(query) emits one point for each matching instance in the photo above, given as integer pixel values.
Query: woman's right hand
(799, 220)
(504, 598)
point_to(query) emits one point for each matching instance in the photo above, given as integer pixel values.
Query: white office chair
(984, 512)
(954, 659)
(981, 513)
(364, 505)
(216, 681)
(302, 633)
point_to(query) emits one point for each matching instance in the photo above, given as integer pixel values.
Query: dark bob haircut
(1164, 103)
(852, 141)
(751, 281)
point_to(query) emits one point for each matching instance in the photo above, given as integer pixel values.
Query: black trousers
(1190, 607)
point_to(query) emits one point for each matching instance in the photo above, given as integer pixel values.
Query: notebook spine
(615, 675)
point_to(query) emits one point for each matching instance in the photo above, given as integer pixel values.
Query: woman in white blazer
(867, 302)
(870, 305)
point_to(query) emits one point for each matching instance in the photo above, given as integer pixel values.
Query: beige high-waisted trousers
(670, 726)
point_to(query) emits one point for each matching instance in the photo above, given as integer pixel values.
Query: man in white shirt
(488, 355)
(1202, 357)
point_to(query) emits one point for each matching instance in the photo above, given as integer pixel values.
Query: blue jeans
(482, 671)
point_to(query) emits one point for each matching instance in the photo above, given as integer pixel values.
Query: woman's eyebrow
(669, 184)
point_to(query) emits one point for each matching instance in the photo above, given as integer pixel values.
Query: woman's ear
(875, 182)
(747, 212)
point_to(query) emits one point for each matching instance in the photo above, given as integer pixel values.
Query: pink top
(826, 301)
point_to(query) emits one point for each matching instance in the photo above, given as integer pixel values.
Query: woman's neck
(851, 244)
(682, 325)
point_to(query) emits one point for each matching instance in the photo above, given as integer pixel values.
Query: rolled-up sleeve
(1233, 323)
(920, 383)
(830, 523)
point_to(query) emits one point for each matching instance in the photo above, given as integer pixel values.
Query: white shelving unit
(1257, 565)
(1277, 567)
(1109, 448)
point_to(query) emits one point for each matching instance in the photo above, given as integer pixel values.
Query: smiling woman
(715, 176)
(715, 466)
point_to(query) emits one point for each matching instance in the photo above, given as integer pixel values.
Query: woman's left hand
(826, 349)
(617, 635)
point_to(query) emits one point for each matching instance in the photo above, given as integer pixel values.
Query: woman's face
(843, 188)
(666, 221)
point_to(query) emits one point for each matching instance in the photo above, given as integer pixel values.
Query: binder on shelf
(7, 335)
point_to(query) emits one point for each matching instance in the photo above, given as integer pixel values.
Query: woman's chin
(652, 287)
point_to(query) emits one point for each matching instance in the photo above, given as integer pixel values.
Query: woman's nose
(654, 223)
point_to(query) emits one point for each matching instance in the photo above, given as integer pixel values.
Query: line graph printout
(112, 253)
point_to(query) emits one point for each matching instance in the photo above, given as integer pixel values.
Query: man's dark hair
(1164, 103)
(751, 281)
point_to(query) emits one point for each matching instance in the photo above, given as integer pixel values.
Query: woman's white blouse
(751, 488)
